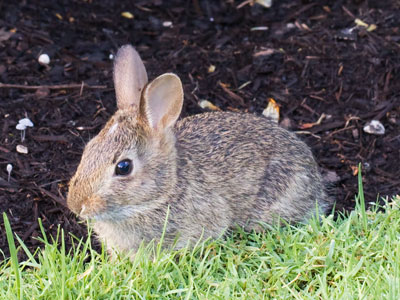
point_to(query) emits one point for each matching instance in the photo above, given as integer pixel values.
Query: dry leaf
(326, 8)
(354, 170)
(371, 27)
(211, 69)
(309, 125)
(265, 3)
(360, 23)
(265, 52)
(205, 104)
(127, 14)
(272, 110)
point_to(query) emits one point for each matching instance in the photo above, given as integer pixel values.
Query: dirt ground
(333, 61)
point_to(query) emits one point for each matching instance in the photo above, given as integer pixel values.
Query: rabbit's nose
(74, 206)
(91, 206)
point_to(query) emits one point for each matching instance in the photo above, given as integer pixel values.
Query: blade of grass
(159, 246)
(13, 254)
(42, 230)
(63, 265)
(361, 200)
(33, 263)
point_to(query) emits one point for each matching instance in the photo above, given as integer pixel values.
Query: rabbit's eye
(124, 167)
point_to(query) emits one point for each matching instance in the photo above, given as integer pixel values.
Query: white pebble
(374, 127)
(290, 26)
(44, 59)
(167, 24)
(22, 149)
(111, 56)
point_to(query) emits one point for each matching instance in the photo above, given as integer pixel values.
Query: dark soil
(312, 60)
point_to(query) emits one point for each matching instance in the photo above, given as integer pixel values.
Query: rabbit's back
(247, 167)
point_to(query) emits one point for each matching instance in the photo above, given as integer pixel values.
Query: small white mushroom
(26, 122)
(22, 128)
(9, 169)
(22, 125)
(44, 59)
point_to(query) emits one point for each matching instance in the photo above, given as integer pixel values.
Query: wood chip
(127, 14)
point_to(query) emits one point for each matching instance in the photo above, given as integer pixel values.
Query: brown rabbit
(214, 171)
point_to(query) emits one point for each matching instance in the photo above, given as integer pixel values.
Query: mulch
(335, 59)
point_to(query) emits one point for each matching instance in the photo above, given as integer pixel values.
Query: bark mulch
(310, 56)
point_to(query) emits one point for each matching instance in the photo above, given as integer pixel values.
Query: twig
(56, 198)
(51, 87)
(308, 132)
(340, 130)
(244, 3)
(4, 149)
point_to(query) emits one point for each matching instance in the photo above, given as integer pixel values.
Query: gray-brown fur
(214, 171)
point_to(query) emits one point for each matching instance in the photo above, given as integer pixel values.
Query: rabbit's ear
(162, 101)
(130, 77)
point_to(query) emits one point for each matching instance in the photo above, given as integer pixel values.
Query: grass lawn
(353, 257)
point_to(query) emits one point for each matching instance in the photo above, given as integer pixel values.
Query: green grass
(353, 257)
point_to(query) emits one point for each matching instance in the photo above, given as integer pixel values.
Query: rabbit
(211, 172)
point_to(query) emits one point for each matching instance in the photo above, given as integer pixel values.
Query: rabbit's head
(130, 164)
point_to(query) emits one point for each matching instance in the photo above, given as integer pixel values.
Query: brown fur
(214, 171)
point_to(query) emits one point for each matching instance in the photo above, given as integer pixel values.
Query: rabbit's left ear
(162, 101)
(130, 77)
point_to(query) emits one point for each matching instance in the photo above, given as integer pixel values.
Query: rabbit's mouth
(114, 214)
(86, 214)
